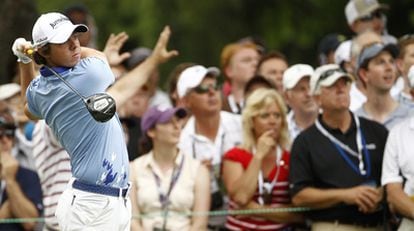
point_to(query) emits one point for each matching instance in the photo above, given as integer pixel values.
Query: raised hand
(9, 166)
(160, 53)
(113, 46)
(21, 49)
(265, 143)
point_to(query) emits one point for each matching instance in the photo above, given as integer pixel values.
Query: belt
(99, 189)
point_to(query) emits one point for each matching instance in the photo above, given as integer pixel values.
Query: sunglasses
(6, 133)
(330, 72)
(372, 16)
(201, 89)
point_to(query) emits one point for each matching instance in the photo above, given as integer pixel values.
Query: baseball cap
(373, 50)
(343, 52)
(294, 74)
(356, 9)
(326, 76)
(191, 77)
(54, 28)
(330, 42)
(160, 114)
(138, 55)
(8, 90)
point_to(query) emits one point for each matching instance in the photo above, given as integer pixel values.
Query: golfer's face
(66, 54)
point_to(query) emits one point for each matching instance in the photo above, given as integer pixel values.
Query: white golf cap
(192, 77)
(326, 76)
(356, 9)
(294, 74)
(54, 28)
(343, 52)
(8, 90)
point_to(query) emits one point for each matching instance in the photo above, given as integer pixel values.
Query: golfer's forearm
(27, 74)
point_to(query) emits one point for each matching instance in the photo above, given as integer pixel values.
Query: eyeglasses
(201, 89)
(370, 17)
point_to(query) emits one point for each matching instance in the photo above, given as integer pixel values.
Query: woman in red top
(256, 174)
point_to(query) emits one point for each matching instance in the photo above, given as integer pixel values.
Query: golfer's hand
(20, 49)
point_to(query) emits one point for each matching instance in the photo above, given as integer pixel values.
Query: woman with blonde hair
(256, 174)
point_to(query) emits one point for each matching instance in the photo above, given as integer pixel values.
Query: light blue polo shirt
(97, 150)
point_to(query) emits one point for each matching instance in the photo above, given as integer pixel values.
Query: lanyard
(342, 148)
(164, 198)
(268, 187)
(2, 187)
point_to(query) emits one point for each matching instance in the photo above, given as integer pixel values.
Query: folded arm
(367, 198)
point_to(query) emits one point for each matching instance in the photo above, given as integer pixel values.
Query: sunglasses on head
(406, 38)
(330, 72)
(201, 89)
(370, 17)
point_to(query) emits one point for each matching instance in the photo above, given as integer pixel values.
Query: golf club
(101, 106)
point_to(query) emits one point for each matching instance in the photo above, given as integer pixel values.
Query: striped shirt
(53, 167)
(280, 194)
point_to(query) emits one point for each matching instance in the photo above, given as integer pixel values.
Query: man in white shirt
(209, 132)
(397, 166)
(296, 88)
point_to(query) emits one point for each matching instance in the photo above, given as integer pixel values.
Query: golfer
(97, 197)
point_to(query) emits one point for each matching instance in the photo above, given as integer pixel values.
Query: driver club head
(101, 106)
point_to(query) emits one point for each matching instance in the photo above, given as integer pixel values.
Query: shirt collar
(46, 72)
(150, 161)
(337, 130)
(190, 125)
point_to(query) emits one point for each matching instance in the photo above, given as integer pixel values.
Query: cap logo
(41, 40)
(56, 22)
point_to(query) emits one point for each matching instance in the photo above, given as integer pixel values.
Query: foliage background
(202, 28)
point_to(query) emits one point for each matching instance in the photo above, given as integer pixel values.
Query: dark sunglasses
(201, 89)
(9, 133)
(370, 17)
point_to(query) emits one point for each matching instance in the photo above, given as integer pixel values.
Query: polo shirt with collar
(317, 163)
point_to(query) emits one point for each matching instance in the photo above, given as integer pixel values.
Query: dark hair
(38, 58)
(173, 78)
(257, 80)
(272, 55)
(77, 8)
(145, 144)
